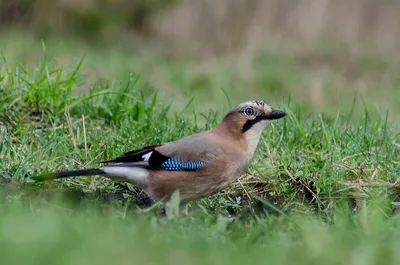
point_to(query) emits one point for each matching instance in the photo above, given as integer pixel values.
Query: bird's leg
(170, 212)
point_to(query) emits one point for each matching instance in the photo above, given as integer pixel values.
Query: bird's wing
(187, 154)
(137, 155)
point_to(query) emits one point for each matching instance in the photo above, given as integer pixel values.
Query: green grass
(323, 188)
(35, 234)
(325, 79)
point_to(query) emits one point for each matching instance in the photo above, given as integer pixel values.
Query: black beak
(274, 115)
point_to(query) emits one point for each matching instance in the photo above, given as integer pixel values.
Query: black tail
(67, 174)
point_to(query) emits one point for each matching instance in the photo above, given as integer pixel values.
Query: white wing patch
(146, 157)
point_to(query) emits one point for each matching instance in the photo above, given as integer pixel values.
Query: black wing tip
(132, 156)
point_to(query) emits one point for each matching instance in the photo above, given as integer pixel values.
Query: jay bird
(198, 165)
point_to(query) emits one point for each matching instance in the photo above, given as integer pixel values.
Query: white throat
(252, 137)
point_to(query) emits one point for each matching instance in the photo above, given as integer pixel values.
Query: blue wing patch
(174, 165)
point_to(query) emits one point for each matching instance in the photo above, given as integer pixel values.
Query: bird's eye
(249, 111)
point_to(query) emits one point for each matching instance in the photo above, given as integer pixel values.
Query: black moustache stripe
(250, 123)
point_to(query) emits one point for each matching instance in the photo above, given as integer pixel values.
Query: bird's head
(251, 117)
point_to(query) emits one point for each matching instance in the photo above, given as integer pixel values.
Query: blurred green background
(324, 179)
(322, 54)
